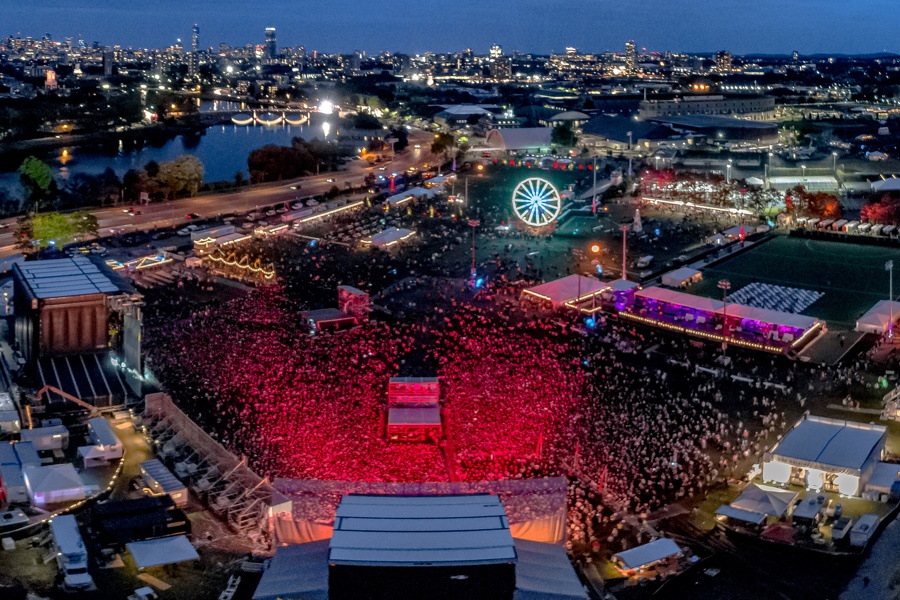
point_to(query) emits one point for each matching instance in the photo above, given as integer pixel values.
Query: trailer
(159, 480)
(71, 555)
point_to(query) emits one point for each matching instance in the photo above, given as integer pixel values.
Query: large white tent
(765, 500)
(877, 319)
(568, 289)
(826, 453)
(53, 483)
(646, 554)
(389, 237)
(681, 277)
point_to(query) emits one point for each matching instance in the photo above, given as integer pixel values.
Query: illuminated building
(496, 51)
(271, 47)
(630, 56)
(723, 62)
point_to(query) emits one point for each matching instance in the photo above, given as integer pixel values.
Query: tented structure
(646, 555)
(162, 551)
(765, 500)
(681, 277)
(389, 237)
(544, 572)
(883, 478)
(53, 484)
(568, 289)
(296, 572)
(877, 319)
(829, 454)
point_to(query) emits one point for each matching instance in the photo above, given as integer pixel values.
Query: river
(223, 150)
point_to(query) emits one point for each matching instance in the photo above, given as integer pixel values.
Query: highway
(115, 220)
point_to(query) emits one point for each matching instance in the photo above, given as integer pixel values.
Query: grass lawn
(852, 277)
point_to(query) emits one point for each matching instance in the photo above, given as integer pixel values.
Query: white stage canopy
(647, 554)
(877, 319)
(162, 551)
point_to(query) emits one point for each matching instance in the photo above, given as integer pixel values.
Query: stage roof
(298, 571)
(829, 444)
(544, 572)
(373, 530)
(566, 289)
(399, 416)
(62, 277)
(162, 551)
(648, 553)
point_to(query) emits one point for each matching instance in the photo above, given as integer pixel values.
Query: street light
(834, 162)
(728, 172)
(724, 285)
(804, 171)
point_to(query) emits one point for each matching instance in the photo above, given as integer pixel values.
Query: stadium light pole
(889, 267)
(724, 285)
(834, 162)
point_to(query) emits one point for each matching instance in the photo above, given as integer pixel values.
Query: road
(168, 214)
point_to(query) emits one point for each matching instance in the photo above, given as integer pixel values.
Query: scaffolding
(231, 489)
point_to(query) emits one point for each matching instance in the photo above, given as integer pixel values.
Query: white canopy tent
(389, 237)
(647, 554)
(568, 289)
(748, 516)
(877, 319)
(765, 500)
(681, 277)
(162, 551)
(53, 483)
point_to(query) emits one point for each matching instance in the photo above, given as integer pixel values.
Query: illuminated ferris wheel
(536, 202)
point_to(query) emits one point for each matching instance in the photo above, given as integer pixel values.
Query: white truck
(71, 555)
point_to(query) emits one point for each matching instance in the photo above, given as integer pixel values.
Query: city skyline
(764, 27)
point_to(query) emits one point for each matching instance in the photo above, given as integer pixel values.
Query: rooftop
(829, 442)
(62, 277)
(376, 530)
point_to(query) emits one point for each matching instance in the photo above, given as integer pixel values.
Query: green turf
(851, 276)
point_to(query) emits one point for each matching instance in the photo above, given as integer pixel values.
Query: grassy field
(851, 276)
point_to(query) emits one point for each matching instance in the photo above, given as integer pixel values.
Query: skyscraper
(723, 62)
(194, 58)
(271, 47)
(630, 56)
(496, 51)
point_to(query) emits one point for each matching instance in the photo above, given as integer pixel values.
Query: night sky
(539, 26)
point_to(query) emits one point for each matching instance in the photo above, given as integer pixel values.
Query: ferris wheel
(536, 201)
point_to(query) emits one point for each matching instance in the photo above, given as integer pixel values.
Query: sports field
(851, 277)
